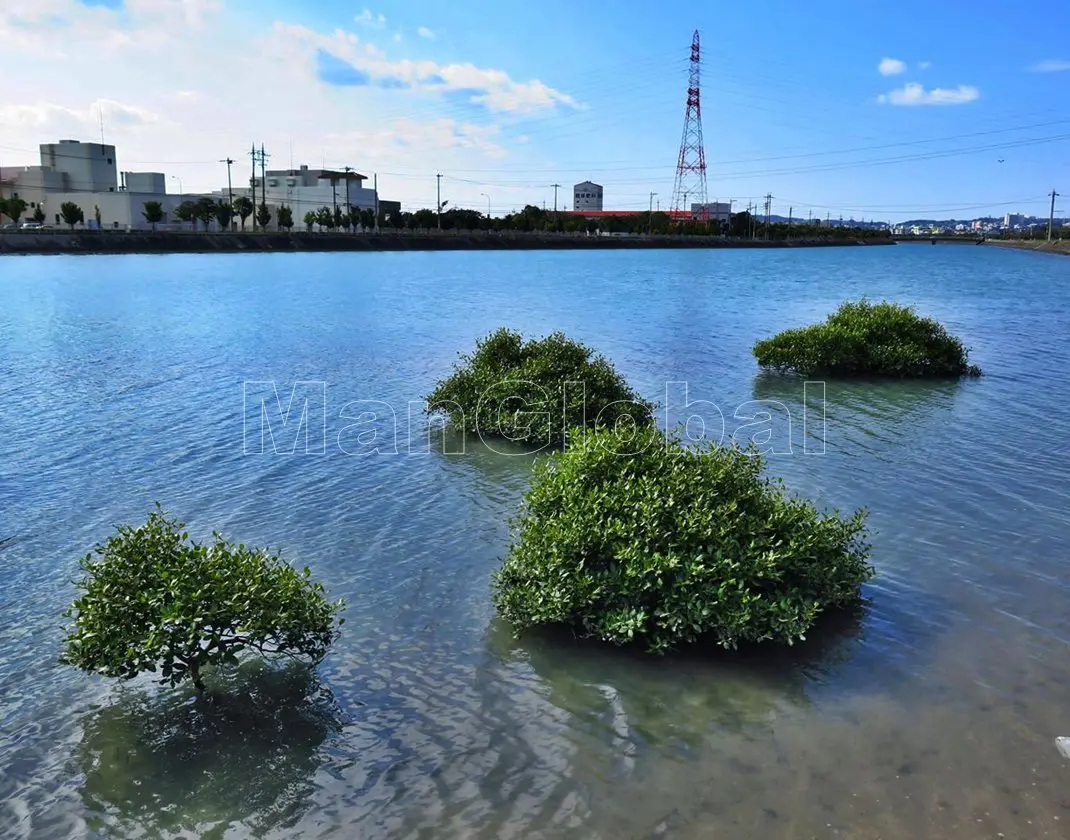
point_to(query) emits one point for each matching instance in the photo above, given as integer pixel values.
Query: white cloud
(371, 20)
(913, 93)
(424, 32)
(1052, 65)
(924, 65)
(891, 67)
(59, 119)
(489, 87)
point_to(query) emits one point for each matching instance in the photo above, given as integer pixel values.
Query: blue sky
(873, 110)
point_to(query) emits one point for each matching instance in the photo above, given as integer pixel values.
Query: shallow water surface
(932, 713)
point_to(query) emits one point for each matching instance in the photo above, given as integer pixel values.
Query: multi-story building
(86, 174)
(587, 196)
(305, 189)
(713, 211)
(1013, 220)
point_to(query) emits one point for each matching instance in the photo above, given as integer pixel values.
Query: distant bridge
(962, 239)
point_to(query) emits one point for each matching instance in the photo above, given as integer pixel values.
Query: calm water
(933, 714)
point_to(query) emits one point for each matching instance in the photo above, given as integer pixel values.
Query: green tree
(96, 215)
(71, 213)
(263, 215)
(424, 219)
(630, 534)
(868, 339)
(152, 600)
(206, 210)
(533, 391)
(39, 214)
(244, 208)
(187, 212)
(367, 219)
(224, 215)
(153, 212)
(325, 218)
(13, 208)
(310, 220)
(286, 218)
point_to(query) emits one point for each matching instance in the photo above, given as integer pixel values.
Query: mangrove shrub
(154, 600)
(631, 535)
(868, 339)
(533, 391)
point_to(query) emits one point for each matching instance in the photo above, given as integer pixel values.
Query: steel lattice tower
(690, 186)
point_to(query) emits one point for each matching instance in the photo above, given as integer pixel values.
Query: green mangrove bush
(153, 600)
(533, 391)
(631, 535)
(868, 339)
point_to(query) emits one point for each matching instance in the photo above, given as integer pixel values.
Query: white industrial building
(305, 189)
(587, 196)
(713, 211)
(87, 175)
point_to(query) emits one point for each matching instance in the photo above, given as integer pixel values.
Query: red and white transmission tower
(690, 186)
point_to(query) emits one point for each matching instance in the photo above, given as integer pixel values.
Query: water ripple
(929, 713)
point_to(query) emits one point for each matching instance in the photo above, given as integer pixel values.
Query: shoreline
(189, 242)
(1058, 246)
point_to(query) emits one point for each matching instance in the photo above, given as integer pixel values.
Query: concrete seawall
(145, 242)
(1059, 246)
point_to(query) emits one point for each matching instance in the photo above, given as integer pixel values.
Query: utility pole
(1051, 213)
(790, 211)
(555, 186)
(375, 189)
(263, 179)
(650, 216)
(230, 189)
(828, 219)
(252, 182)
(768, 206)
(438, 198)
(349, 207)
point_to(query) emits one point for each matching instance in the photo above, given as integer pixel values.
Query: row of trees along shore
(530, 219)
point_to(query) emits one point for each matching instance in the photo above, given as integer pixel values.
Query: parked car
(7, 226)
(30, 226)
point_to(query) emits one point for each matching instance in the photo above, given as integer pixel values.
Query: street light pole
(650, 216)
(180, 190)
(487, 197)
(230, 191)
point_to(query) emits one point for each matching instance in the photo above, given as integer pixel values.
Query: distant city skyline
(892, 113)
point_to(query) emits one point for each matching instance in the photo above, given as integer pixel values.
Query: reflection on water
(683, 699)
(929, 714)
(173, 762)
(854, 415)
